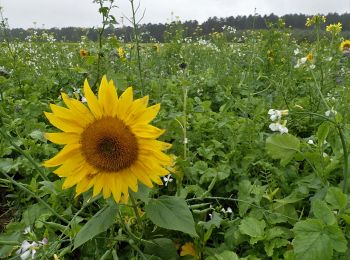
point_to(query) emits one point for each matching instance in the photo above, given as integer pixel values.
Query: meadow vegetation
(259, 128)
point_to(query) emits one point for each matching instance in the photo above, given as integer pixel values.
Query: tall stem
(134, 206)
(137, 42)
(346, 162)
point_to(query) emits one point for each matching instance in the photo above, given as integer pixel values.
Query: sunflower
(110, 144)
(345, 45)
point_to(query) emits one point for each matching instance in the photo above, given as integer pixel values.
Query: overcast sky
(63, 13)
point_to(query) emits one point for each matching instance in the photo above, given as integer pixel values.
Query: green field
(259, 128)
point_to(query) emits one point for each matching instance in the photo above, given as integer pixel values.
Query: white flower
(310, 141)
(83, 99)
(167, 179)
(278, 127)
(324, 155)
(330, 113)
(228, 210)
(274, 114)
(27, 249)
(277, 114)
(296, 51)
(300, 62)
(27, 230)
(312, 66)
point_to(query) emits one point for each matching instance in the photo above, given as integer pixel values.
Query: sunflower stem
(25, 154)
(134, 207)
(21, 186)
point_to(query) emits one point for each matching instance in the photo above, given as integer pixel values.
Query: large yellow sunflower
(110, 144)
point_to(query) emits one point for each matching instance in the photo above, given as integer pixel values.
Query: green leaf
(226, 255)
(253, 228)
(161, 247)
(314, 240)
(322, 132)
(215, 221)
(100, 222)
(282, 147)
(321, 211)
(336, 198)
(171, 213)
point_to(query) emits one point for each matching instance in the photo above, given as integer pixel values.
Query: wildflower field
(197, 148)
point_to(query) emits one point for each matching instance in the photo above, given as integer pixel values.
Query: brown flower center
(109, 145)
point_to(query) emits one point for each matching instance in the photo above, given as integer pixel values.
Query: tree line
(156, 32)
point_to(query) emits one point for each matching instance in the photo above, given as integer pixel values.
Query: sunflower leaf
(171, 213)
(99, 223)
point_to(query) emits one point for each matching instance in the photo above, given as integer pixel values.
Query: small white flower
(324, 155)
(274, 114)
(185, 140)
(27, 230)
(330, 113)
(278, 127)
(167, 179)
(27, 249)
(83, 99)
(312, 66)
(296, 51)
(210, 216)
(310, 141)
(228, 210)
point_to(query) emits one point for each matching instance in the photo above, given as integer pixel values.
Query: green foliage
(171, 213)
(238, 191)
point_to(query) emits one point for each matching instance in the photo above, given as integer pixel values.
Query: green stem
(134, 206)
(21, 186)
(137, 41)
(346, 163)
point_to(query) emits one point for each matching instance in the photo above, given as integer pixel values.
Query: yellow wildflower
(121, 53)
(334, 28)
(310, 57)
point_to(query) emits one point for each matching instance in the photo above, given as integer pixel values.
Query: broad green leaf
(171, 213)
(322, 132)
(314, 240)
(253, 228)
(273, 244)
(161, 247)
(282, 147)
(99, 223)
(321, 211)
(226, 255)
(336, 198)
(215, 221)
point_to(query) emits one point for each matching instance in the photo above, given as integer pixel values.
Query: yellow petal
(92, 101)
(142, 176)
(124, 103)
(63, 124)
(146, 131)
(98, 184)
(73, 179)
(147, 115)
(76, 105)
(63, 155)
(129, 179)
(116, 188)
(63, 138)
